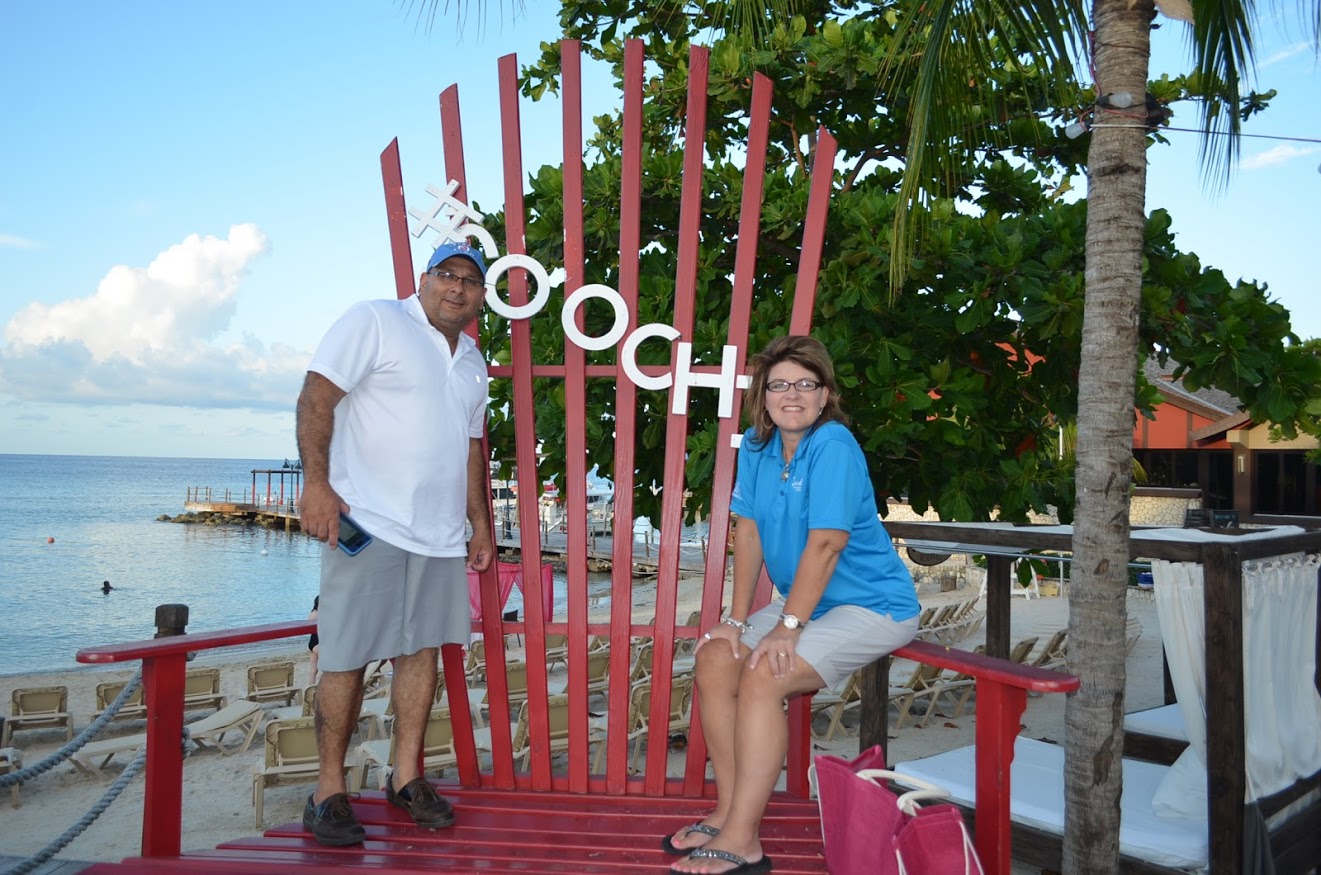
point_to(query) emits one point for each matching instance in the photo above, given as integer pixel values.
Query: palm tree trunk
(1116, 188)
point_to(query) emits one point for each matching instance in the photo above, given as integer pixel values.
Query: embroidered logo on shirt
(796, 484)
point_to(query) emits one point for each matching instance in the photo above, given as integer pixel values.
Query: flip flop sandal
(669, 847)
(742, 866)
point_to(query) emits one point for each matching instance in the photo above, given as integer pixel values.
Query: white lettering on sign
(445, 218)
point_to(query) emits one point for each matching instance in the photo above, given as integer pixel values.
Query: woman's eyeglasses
(468, 282)
(801, 385)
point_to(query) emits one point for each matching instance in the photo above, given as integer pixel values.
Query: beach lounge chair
(242, 717)
(201, 689)
(437, 750)
(1054, 653)
(838, 701)
(639, 716)
(559, 730)
(956, 689)
(134, 709)
(11, 760)
(376, 679)
(921, 684)
(557, 649)
(272, 682)
(475, 667)
(37, 707)
(291, 758)
(306, 708)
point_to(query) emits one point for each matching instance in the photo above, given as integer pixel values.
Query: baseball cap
(451, 248)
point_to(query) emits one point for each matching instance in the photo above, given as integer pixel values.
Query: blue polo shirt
(827, 488)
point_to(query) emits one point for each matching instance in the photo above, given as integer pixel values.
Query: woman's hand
(778, 649)
(721, 632)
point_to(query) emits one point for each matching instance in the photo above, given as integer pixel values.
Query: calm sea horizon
(67, 523)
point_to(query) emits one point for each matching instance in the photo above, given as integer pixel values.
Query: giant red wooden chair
(662, 801)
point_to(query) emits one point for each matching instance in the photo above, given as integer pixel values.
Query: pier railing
(1001, 688)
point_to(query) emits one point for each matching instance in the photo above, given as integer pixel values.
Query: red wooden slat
(465, 750)
(505, 832)
(451, 140)
(525, 432)
(575, 407)
(814, 232)
(740, 315)
(621, 574)
(396, 218)
(676, 427)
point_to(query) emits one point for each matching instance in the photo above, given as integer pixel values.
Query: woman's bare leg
(759, 739)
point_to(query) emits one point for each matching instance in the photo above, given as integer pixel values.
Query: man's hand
(480, 550)
(321, 507)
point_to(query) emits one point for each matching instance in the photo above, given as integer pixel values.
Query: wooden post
(997, 605)
(875, 706)
(163, 685)
(1226, 755)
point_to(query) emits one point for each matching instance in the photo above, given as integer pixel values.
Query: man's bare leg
(413, 693)
(338, 705)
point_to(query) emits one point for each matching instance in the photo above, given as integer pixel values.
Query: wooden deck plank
(503, 832)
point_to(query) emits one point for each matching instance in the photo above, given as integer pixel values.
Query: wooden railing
(1002, 689)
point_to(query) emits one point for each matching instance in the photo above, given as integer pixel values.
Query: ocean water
(101, 512)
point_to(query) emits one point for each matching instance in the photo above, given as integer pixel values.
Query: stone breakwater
(220, 518)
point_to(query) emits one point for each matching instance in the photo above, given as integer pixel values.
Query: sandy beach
(218, 789)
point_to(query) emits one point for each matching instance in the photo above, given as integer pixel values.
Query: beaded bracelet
(730, 621)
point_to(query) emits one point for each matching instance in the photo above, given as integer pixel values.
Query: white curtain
(1282, 720)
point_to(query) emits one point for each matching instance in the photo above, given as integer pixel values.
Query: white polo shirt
(399, 452)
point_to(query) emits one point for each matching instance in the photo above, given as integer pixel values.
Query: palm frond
(1222, 53)
(946, 49)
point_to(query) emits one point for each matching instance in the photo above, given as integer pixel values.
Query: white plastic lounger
(1163, 722)
(1037, 800)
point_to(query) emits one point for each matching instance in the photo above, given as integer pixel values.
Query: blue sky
(191, 194)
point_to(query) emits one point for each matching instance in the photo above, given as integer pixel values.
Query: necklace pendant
(784, 475)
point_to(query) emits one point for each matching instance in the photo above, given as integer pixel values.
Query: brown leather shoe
(429, 809)
(332, 822)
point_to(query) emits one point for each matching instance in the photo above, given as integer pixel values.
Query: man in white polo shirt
(390, 424)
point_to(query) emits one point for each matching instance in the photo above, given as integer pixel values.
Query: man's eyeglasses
(468, 282)
(801, 385)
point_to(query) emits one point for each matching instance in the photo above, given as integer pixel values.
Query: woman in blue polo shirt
(807, 513)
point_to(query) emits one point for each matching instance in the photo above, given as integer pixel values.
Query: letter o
(503, 265)
(574, 301)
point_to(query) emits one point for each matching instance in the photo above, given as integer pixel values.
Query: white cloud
(1277, 155)
(1284, 55)
(148, 335)
(13, 241)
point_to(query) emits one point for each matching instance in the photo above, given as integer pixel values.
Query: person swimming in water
(106, 587)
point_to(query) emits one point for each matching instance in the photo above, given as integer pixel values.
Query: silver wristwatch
(791, 622)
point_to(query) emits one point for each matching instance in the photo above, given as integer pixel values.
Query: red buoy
(50, 540)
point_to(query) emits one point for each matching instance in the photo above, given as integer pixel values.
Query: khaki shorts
(387, 602)
(839, 643)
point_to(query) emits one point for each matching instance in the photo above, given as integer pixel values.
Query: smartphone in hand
(352, 538)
